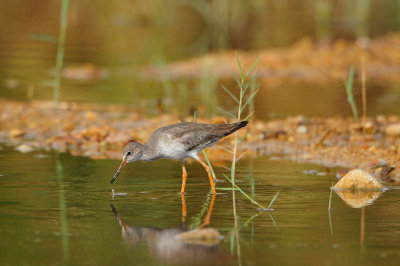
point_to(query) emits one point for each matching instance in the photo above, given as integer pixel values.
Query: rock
(393, 130)
(358, 179)
(24, 148)
(17, 133)
(368, 127)
(89, 115)
(302, 129)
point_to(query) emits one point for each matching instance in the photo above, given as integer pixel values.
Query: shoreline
(100, 131)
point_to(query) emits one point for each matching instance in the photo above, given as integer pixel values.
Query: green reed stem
(330, 209)
(205, 153)
(60, 49)
(209, 165)
(244, 82)
(273, 200)
(350, 97)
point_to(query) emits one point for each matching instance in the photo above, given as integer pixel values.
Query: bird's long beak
(124, 162)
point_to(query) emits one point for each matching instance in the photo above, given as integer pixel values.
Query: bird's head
(132, 152)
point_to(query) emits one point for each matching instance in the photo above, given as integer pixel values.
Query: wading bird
(178, 142)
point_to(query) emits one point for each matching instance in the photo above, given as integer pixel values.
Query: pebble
(302, 129)
(24, 148)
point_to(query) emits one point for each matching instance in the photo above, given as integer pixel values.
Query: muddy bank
(101, 131)
(305, 61)
(335, 141)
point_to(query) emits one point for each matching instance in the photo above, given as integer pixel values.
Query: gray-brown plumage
(178, 141)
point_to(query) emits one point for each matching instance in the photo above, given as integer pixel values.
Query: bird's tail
(236, 126)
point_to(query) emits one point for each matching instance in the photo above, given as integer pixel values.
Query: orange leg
(209, 175)
(184, 210)
(184, 177)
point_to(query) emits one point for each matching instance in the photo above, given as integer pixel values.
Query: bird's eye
(128, 153)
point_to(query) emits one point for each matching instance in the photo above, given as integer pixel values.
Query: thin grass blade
(242, 138)
(232, 243)
(226, 112)
(251, 97)
(237, 80)
(225, 149)
(273, 221)
(252, 187)
(330, 198)
(250, 82)
(273, 200)
(248, 116)
(349, 85)
(209, 164)
(233, 166)
(350, 97)
(245, 194)
(330, 209)
(240, 66)
(230, 94)
(240, 156)
(251, 68)
(60, 49)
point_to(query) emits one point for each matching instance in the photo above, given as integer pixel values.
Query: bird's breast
(171, 148)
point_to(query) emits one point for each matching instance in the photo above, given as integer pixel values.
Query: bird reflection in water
(178, 244)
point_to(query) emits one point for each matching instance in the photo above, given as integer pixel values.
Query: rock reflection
(177, 245)
(358, 198)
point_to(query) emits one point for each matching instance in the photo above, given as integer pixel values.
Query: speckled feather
(180, 141)
(195, 135)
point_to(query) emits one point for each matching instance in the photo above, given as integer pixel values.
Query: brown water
(55, 209)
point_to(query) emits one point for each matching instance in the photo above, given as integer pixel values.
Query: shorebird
(178, 142)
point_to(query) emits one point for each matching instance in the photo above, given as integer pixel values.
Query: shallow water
(124, 38)
(55, 209)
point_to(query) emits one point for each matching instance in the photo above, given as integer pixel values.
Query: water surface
(125, 37)
(55, 209)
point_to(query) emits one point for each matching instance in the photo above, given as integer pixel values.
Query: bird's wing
(199, 136)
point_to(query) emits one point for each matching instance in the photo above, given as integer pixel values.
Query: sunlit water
(55, 209)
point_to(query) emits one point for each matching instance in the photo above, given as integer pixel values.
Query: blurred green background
(109, 43)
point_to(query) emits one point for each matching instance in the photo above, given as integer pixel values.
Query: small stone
(302, 129)
(310, 172)
(24, 148)
(368, 127)
(41, 156)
